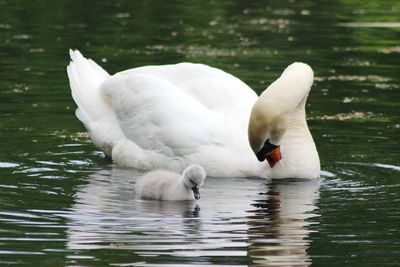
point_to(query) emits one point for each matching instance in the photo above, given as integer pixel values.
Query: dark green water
(63, 204)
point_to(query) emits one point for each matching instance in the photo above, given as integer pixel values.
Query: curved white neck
(280, 106)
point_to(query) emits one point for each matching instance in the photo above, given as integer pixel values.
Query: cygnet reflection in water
(241, 219)
(106, 212)
(166, 185)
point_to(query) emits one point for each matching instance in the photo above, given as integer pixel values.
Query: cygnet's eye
(192, 182)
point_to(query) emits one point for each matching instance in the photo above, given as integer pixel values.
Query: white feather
(172, 116)
(94, 111)
(166, 185)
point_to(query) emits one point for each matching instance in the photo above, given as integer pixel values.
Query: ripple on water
(8, 165)
(29, 232)
(270, 223)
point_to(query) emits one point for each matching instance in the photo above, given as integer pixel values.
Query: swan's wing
(157, 115)
(85, 77)
(212, 87)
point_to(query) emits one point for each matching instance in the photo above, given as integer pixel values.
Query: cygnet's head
(193, 178)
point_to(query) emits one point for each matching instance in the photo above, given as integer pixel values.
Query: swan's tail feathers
(94, 110)
(85, 77)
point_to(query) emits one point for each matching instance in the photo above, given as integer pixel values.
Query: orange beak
(273, 156)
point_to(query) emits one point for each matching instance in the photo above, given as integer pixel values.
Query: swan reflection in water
(279, 223)
(249, 222)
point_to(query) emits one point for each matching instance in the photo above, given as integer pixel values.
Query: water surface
(62, 203)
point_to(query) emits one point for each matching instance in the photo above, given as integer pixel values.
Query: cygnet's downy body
(166, 185)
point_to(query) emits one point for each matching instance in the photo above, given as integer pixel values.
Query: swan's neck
(298, 116)
(280, 106)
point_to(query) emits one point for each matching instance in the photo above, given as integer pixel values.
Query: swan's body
(174, 115)
(167, 185)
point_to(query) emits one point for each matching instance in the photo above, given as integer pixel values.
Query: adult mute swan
(166, 185)
(172, 116)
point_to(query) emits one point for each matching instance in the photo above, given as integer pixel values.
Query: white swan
(174, 115)
(166, 185)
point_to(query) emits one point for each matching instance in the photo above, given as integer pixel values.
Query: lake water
(63, 204)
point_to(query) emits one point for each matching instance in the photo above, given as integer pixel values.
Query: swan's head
(193, 178)
(271, 114)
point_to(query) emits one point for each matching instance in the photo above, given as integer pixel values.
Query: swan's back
(215, 89)
(185, 112)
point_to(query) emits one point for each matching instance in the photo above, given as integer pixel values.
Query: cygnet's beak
(196, 192)
(273, 156)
